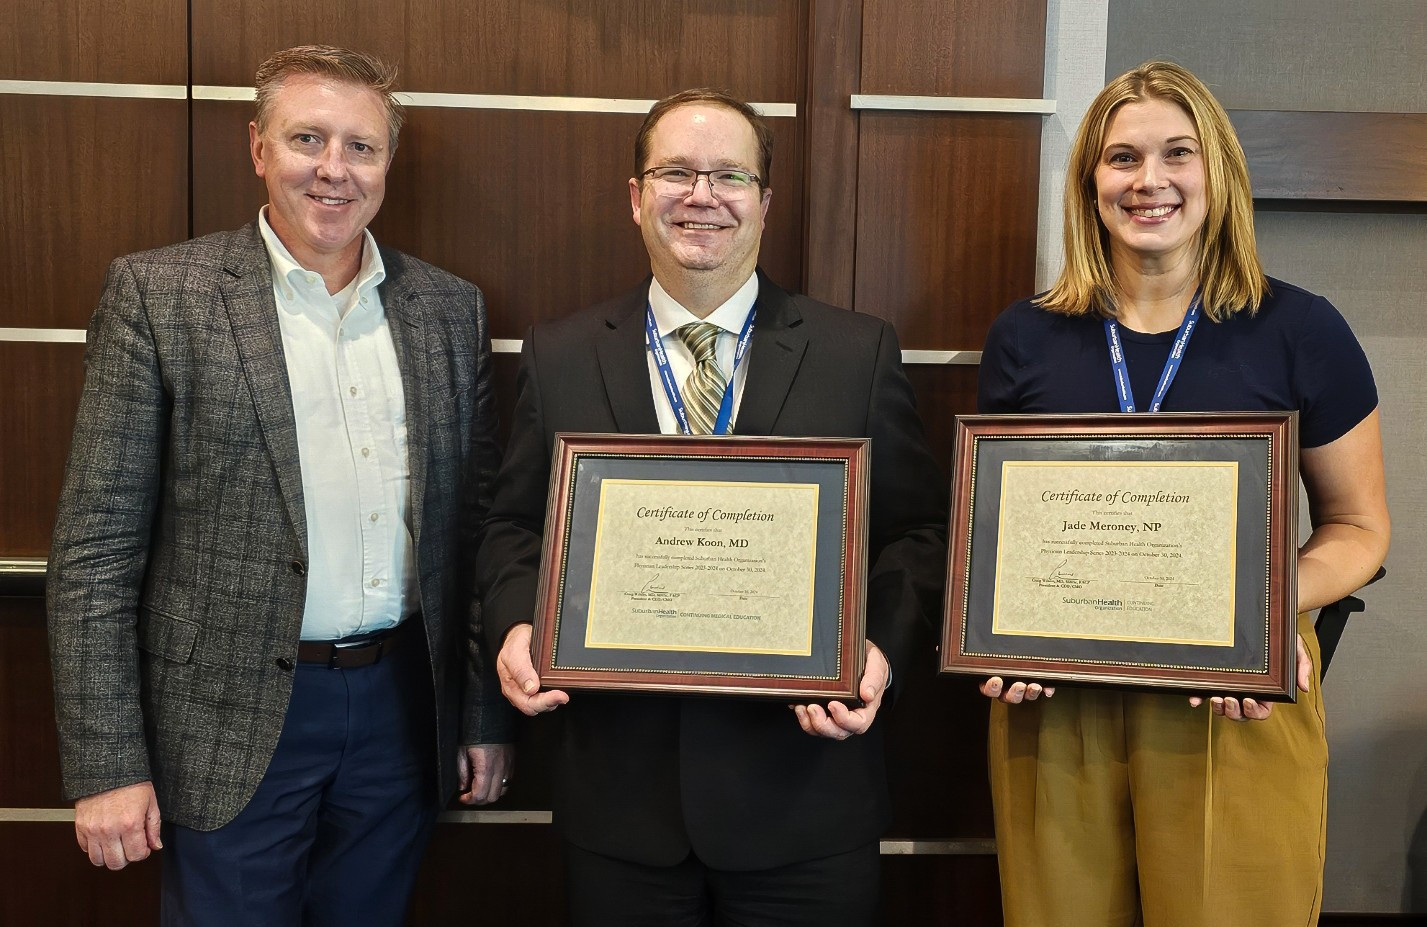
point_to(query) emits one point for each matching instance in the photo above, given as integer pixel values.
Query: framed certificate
(713, 565)
(1133, 550)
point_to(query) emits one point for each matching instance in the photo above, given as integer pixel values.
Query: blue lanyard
(1171, 363)
(671, 387)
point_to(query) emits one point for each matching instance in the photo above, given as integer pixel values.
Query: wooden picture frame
(704, 565)
(1149, 550)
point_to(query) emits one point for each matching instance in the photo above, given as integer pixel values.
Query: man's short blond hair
(340, 64)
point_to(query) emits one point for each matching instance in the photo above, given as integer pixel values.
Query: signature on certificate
(652, 591)
(1059, 577)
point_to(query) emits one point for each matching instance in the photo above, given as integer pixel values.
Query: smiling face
(1149, 182)
(324, 155)
(703, 238)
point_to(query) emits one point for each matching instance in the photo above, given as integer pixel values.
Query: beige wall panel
(40, 384)
(946, 222)
(110, 41)
(531, 206)
(84, 180)
(637, 49)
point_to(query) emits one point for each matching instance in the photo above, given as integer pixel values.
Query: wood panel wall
(927, 219)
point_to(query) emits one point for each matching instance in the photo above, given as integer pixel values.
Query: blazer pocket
(166, 636)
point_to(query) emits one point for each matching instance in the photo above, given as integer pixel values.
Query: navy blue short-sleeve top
(1296, 352)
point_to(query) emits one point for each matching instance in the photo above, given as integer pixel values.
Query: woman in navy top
(1125, 808)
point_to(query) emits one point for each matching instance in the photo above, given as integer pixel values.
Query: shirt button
(376, 582)
(366, 452)
(298, 567)
(311, 278)
(364, 300)
(375, 516)
(352, 390)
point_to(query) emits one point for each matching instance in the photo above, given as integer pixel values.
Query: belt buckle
(377, 648)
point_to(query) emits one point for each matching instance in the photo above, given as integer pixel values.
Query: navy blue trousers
(335, 833)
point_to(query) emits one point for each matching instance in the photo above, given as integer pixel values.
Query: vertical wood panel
(84, 180)
(40, 384)
(49, 881)
(946, 222)
(479, 874)
(835, 48)
(936, 752)
(110, 41)
(29, 760)
(943, 392)
(942, 891)
(967, 48)
(641, 49)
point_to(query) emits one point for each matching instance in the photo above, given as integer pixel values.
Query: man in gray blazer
(265, 651)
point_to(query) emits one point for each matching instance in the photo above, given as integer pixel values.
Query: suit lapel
(773, 359)
(247, 293)
(404, 315)
(625, 367)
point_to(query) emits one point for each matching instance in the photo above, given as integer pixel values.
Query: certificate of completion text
(1118, 550)
(704, 565)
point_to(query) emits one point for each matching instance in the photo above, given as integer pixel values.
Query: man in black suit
(676, 811)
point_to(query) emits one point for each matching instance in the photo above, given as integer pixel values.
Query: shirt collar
(286, 269)
(669, 316)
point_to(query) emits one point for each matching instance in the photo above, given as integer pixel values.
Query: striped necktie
(703, 389)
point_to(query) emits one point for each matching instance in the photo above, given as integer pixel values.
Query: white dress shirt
(350, 409)
(669, 317)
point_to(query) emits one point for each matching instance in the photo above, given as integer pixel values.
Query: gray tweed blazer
(177, 574)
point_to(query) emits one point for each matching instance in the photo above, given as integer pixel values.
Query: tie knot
(700, 338)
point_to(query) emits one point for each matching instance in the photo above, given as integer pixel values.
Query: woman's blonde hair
(1230, 275)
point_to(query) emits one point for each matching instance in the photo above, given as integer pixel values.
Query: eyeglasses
(724, 183)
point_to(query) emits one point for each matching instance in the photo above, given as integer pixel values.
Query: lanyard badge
(1121, 372)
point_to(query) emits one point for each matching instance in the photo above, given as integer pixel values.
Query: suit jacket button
(283, 663)
(298, 567)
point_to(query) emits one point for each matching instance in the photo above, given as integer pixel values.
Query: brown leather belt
(334, 655)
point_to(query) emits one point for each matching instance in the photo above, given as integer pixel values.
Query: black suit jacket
(648, 778)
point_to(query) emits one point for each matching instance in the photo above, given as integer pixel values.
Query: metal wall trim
(928, 104)
(49, 335)
(964, 846)
(22, 576)
(909, 358)
(529, 103)
(498, 346)
(74, 88)
(414, 98)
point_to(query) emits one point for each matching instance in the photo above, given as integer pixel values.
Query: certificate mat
(702, 565)
(1153, 551)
